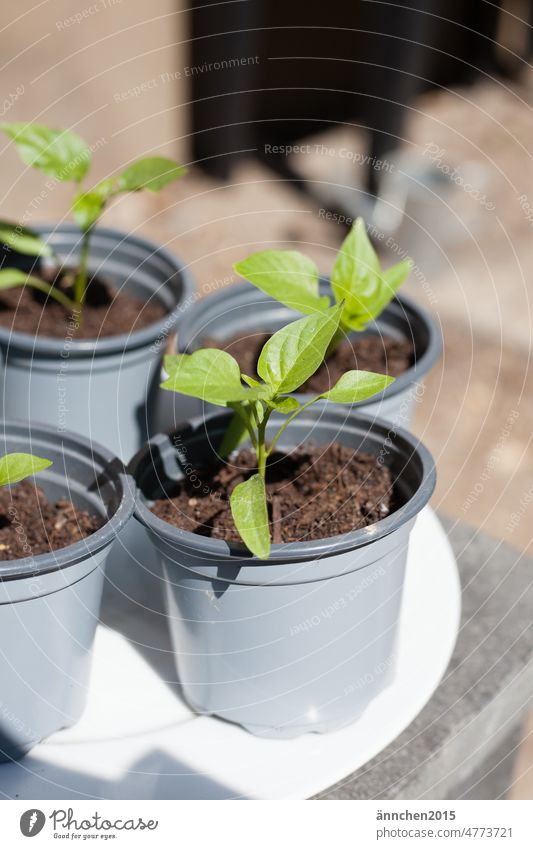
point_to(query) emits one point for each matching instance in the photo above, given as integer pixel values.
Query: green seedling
(357, 281)
(64, 156)
(287, 360)
(16, 467)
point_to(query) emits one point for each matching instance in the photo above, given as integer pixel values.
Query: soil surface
(381, 354)
(105, 313)
(31, 525)
(313, 493)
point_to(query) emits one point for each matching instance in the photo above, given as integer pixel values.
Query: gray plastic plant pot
(106, 388)
(243, 309)
(49, 603)
(304, 641)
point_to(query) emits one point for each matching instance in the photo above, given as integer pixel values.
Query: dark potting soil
(313, 493)
(31, 525)
(105, 312)
(381, 354)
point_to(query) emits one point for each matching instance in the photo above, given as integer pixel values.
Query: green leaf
(23, 240)
(295, 352)
(106, 188)
(358, 279)
(389, 282)
(86, 209)
(210, 374)
(397, 274)
(11, 278)
(153, 173)
(59, 153)
(16, 467)
(288, 276)
(355, 275)
(357, 386)
(259, 409)
(387, 285)
(250, 514)
(250, 381)
(288, 404)
(235, 433)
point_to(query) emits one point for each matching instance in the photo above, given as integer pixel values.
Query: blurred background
(294, 118)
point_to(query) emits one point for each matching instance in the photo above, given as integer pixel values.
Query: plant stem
(287, 422)
(80, 284)
(261, 451)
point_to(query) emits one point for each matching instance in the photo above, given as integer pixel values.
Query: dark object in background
(270, 73)
(13, 259)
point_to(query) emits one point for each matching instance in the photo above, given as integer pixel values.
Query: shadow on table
(9, 749)
(154, 776)
(133, 603)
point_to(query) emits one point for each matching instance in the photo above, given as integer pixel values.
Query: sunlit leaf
(250, 514)
(288, 276)
(23, 240)
(59, 153)
(16, 467)
(285, 405)
(87, 208)
(357, 279)
(295, 352)
(356, 386)
(152, 172)
(210, 374)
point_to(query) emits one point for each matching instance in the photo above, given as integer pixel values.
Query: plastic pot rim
(297, 551)
(41, 564)
(104, 345)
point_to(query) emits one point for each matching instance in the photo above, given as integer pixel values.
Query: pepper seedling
(15, 467)
(287, 360)
(357, 281)
(64, 156)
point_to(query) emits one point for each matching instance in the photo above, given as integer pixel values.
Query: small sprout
(16, 467)
(63, 155)
(357, 281)
(287, 360)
